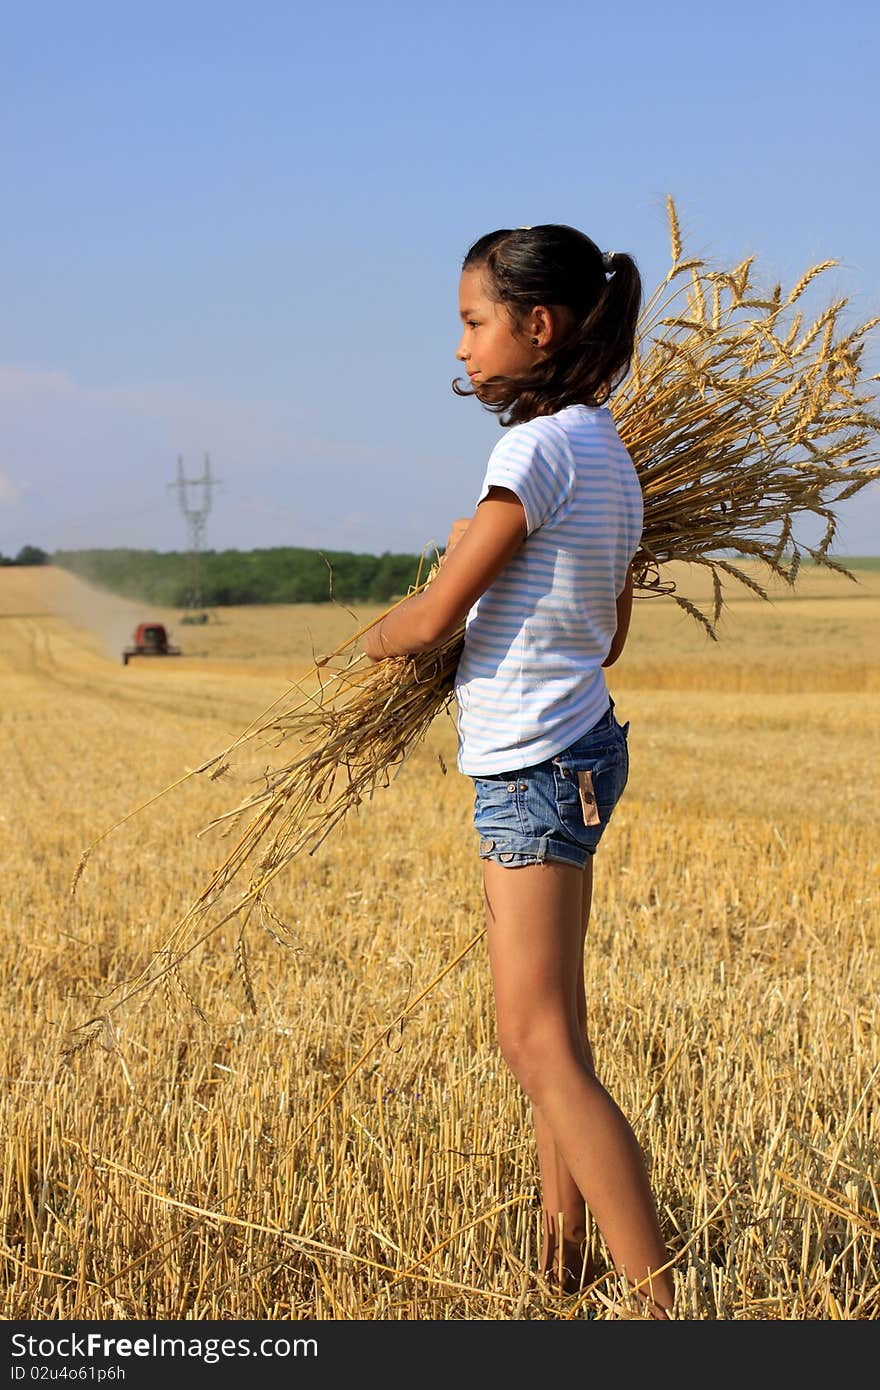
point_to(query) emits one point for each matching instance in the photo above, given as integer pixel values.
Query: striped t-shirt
(530, 678)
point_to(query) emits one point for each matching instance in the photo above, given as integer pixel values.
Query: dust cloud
(107, 616)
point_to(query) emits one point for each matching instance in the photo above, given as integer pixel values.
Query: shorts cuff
(515, 852)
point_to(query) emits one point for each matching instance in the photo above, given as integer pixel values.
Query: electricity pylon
(196, 515)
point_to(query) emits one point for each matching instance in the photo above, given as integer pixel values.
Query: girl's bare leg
(564, 1215)
(564, 1210)
(534, 920)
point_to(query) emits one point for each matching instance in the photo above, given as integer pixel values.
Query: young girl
(542, 571)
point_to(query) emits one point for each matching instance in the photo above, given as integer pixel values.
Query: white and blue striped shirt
(530, 678)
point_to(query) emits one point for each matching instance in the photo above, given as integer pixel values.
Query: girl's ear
(543, 326)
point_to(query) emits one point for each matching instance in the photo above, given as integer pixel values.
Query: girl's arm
(624, 613)
(424, 621)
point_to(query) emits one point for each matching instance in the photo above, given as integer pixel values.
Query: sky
(235, 232)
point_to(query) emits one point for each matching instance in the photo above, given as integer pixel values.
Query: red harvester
(150, 639)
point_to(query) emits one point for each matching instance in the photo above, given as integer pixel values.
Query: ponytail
(610, 328)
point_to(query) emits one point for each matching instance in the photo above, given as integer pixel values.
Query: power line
(196, 513)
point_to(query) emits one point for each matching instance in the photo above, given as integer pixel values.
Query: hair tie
(608, 261)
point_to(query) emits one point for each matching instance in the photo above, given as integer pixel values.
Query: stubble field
(355, 1148)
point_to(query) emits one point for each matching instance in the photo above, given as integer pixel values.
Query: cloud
(33, 385)
(97, 466)
(48, 400)
(85, 466)
(8, 491)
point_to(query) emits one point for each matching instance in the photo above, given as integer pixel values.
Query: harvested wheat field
(313, 1121)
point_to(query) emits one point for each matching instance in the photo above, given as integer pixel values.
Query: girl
(542, 572)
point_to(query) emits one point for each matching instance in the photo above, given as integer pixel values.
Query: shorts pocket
(495, 804)
(585, 803)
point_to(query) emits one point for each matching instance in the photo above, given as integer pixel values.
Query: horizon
(9, 561)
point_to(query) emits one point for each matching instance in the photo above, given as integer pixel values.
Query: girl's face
(490, 343)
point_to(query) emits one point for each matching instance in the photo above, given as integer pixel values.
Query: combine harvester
(150, 639)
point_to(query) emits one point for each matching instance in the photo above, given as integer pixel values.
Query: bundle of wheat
(738, 419)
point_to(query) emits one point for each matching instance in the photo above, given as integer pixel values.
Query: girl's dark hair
(559, 266)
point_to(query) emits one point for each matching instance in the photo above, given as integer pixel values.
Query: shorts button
(511, 786)
(522, 787)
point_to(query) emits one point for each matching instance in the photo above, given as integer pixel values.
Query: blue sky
(237, 231)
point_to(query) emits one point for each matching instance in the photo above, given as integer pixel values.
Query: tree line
(282, 574)
(28, 555)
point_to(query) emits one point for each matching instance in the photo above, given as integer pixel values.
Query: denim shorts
(556, 810)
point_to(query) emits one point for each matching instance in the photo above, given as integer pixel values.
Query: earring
(534, 342)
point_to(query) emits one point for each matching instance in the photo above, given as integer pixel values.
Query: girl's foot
(570, 1274)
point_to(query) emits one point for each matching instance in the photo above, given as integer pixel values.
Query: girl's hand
(624, 614)
(375, 644)
(374, 647)
(458, 529)
(479, 548)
